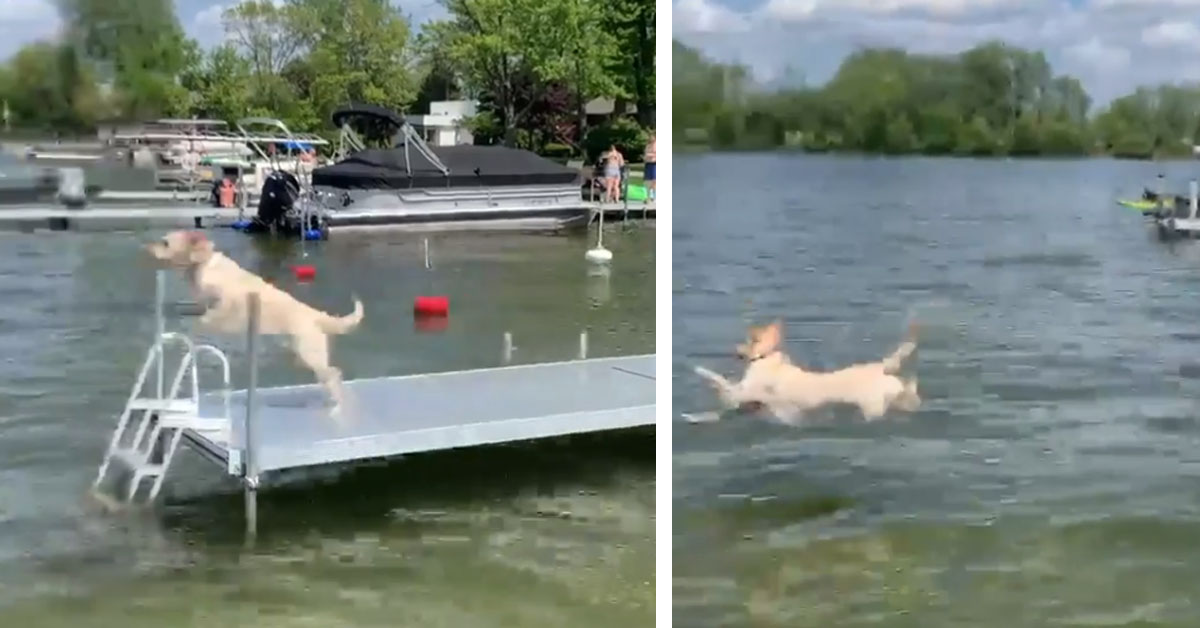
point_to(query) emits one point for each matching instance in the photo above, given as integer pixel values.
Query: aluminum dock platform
(252, 432)
(141, 215)
(392, 416)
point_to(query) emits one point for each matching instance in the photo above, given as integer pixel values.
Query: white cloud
(703, 16)
(1145, 4)
(806, 9)
(1172, 34)
(210, 17)
(1099, 55)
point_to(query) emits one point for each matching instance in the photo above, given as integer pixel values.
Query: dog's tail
(909, 399)
(723, 386)
(893, 363)
(342, 324)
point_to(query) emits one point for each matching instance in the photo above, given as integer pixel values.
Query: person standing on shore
(651, 157)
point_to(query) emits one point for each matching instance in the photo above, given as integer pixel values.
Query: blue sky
(23, 21)
(1110, 45)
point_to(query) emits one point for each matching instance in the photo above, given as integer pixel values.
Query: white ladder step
(172, 406)
(197, 423)
(136, 461)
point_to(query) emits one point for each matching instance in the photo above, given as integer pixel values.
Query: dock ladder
(153, 422)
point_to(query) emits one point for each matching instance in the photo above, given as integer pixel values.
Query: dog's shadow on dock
(339, 500)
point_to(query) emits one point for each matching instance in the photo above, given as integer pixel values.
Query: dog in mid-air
(772, 382)
(216, 278)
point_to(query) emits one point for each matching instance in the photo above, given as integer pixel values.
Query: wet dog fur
(219, 280)
(772, 382)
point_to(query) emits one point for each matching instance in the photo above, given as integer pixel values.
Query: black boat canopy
(468, 165)
(341, 114)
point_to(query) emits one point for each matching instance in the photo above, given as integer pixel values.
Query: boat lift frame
(278, 133)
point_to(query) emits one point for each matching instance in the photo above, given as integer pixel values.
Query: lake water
(551, 534)
(1052, 477)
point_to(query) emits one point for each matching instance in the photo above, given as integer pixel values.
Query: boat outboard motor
(279, 193)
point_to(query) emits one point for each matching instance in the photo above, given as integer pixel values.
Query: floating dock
(391, 416)
(252, 432)
(1180, 220)
(141, 215)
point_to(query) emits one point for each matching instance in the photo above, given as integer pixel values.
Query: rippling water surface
(553, 534)
(1052, 477)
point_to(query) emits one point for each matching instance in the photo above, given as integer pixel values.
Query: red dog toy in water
(304, 272)
(431, 306)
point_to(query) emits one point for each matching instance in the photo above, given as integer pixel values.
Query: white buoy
(599, 255)
(427, 266)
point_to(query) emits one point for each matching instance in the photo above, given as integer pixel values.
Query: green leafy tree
(138, 45)
(498, 44)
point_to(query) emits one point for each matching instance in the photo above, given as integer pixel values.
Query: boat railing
(349, 143)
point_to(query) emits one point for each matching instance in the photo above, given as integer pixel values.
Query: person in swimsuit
(651, 155)
(613, 160)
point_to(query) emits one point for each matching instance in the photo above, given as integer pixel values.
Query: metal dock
(1179, 220)
(138, 215)
(429, 412)
(252, 432)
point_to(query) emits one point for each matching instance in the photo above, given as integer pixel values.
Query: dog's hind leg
(313, 350)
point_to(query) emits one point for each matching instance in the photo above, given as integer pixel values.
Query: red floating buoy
(304, 272)
(431, 306)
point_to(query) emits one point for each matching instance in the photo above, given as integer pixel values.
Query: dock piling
(250, 462)
(160, 324)
(1193, 195)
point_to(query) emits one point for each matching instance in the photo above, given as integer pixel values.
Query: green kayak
(635, 192)
(1143, 205)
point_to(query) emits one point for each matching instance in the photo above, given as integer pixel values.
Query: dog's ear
(200, 248)
(771, 337)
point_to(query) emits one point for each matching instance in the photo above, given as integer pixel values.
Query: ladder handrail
(226, 391)
(176, 381)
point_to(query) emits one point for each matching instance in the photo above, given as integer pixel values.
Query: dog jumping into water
(773, 382)
(216, 277)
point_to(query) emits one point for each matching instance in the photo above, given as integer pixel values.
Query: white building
(444, 124)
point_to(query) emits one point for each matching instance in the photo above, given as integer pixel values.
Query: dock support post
(1160, 189)
(249, 460)
(583, 345)
(160, 325)
(1193, 194)
(506, 355)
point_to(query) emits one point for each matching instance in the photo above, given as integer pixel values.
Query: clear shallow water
(551, 534)
(1052, 477)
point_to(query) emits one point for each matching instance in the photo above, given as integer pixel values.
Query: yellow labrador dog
(773, 382)
(216, 277)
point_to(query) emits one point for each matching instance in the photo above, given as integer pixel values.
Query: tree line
(993, 99)
(532, 65)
